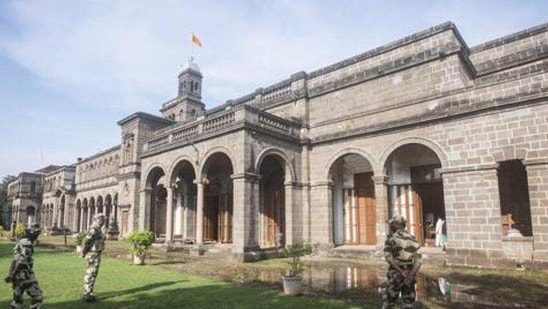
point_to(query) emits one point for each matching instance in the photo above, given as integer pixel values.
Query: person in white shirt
(439, 232)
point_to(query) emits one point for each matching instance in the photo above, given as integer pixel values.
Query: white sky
(69, 70)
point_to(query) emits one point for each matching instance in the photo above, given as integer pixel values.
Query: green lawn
(122, 285)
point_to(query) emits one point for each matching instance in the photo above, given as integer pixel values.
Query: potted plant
(139, 243)
(292, 282)
(79, 240)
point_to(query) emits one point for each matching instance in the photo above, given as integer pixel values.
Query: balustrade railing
(276, 93)
(185, 133)
(221, 121)
(274, 123)
(218, 122)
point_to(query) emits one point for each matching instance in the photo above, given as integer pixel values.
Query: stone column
(82, 219)
(321, 221)
(537, 179)
(183, 204)
(144, 208)
(244, 220)
(199, 212)
(91, 213)
(54, 214)
(169, 214)
(381, 207)
(293, 212)
(76, 219)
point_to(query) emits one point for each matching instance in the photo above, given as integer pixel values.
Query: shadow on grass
(168, 262)
(143, 288)
(215, 296)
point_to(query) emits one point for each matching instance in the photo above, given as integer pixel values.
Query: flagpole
(191, 47)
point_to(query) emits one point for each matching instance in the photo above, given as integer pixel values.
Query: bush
(20, 230)
(295, 251)
(79, 238)
(140, 241)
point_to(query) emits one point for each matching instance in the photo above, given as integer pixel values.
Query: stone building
(25, 193)
(424, 126)
(57, 205)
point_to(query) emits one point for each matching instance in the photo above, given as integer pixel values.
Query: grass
(122, 285)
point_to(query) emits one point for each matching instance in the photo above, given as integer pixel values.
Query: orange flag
(196, 40)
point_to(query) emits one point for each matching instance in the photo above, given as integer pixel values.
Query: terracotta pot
(292, 285)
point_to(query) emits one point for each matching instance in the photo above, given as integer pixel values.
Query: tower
(188, 104)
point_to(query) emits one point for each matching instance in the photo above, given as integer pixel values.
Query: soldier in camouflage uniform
(94, 244)
(404, 260)
(21, 273)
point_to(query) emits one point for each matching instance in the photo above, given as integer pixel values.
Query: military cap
(397, 219)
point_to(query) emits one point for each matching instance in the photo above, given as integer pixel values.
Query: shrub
(295, 251)
(20, 230)
(79, 238)
(140, 241)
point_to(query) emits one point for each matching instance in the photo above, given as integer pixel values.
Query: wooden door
(211, 212)
(225, 218)
(365, 205)
(406, 201)
(273, 214)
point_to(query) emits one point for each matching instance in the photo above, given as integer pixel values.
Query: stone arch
(183, 158)
(182, 176)
(275, 151)
(156, 200)
(216, 150)
(353, 205)
(217, 169)
(415, 186)
(154, 168)
(346, 151)
(435, 147)
(276, 175)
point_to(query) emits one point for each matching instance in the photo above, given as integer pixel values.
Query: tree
(4, 201)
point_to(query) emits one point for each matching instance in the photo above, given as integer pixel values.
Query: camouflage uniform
(94, 244)
(401, 252)
(22, 277)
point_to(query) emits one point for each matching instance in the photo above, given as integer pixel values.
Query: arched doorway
(108, 210)
(158, 201)
(31, 213)
(354, 207)
(272, 207)
(91, 212)
(100, 205)
(184, 201)
(217, 224)
(415, 189)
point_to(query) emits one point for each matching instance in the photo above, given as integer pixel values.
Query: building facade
(424, 126)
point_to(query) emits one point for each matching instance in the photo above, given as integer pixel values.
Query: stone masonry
(421, 126)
